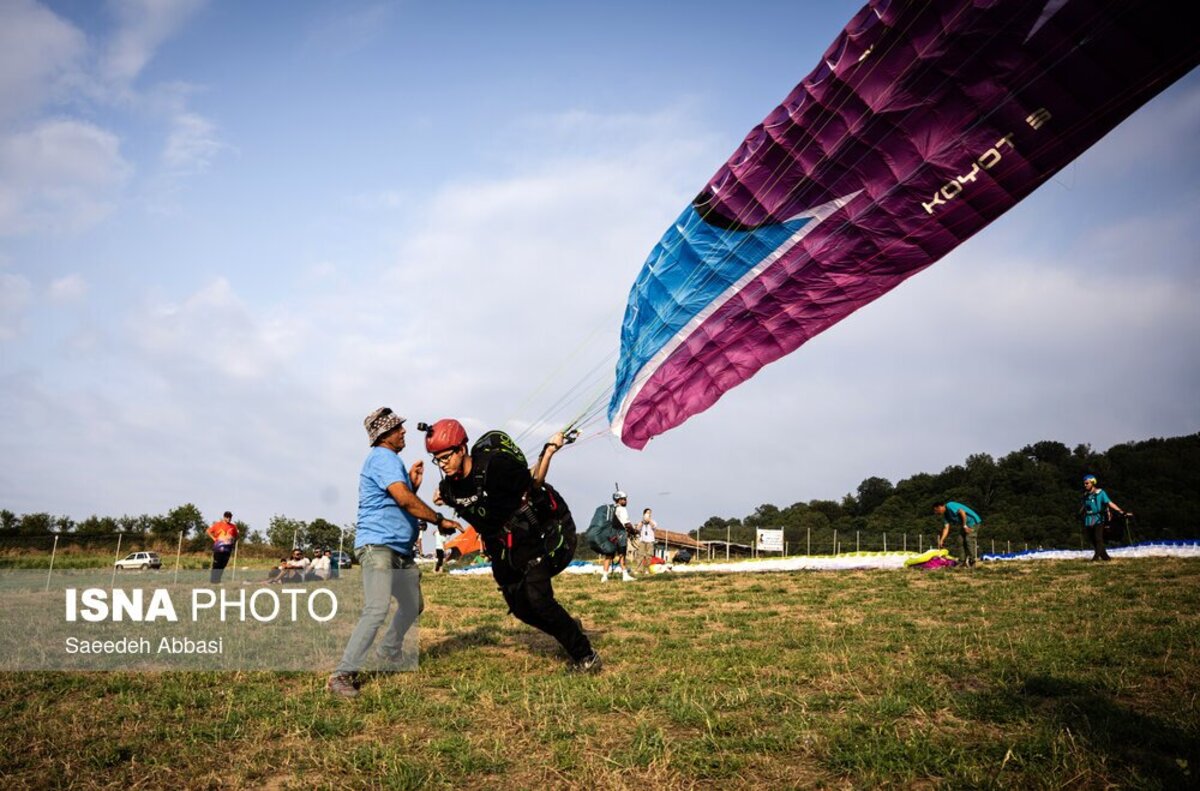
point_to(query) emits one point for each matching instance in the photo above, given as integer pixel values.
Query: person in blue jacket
(1095, 509)
(965, 523)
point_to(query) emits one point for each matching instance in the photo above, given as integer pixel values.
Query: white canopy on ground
(883, 560)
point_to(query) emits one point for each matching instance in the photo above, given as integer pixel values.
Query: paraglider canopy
(922, 123)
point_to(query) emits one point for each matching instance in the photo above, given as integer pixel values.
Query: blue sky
(228, 231)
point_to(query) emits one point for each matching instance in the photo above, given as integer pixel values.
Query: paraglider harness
(536, 531)
(1090, 510)
(604, 534)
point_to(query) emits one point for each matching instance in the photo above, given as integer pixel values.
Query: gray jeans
(386, 575)
(970, 542)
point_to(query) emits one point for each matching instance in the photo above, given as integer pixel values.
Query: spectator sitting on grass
(276, 572)
(295, 567)
(321, 565)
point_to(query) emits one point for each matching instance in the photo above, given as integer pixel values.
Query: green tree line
(1028, 497)
(37, 530)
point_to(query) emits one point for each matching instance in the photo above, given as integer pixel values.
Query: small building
(668, 542)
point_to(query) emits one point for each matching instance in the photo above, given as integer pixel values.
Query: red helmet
(445, 434)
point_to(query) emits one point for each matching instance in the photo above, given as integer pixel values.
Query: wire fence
(824, 542)
(834, 542)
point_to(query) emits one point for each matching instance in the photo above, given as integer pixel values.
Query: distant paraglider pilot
(224, 535)
(622, 529)
(965, 523)
(526, 527)
(1096, 509)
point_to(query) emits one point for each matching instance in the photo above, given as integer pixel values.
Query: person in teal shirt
(1095, 509)
(965, 522)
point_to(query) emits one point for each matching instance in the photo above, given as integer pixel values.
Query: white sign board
(769, 540)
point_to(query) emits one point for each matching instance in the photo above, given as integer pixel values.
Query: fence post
(835, 541)
(53, 550)
(178, 549)
(885, 541)
(808, 541)
(905, 547)
(857, 548)
(113, 583)
(235, 548)
(335, 570)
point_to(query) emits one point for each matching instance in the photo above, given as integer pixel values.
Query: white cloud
(38, 50)
(213, 332)
(62, 175)
(70, 288)
(192, 144)
(143, 26)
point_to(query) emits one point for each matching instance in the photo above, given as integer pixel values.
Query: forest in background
(1030, 497)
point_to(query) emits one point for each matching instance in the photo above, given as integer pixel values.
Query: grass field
(1030, 675)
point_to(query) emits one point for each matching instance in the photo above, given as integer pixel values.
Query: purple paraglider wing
(923, 122)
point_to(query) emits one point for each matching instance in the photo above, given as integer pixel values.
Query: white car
(139, 560)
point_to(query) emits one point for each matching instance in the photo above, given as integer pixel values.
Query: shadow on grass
(462, 641)
(523, 635)
(1148, 746)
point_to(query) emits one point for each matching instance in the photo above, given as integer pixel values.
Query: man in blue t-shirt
(385, 541)
(1096, 508)
(965, 522)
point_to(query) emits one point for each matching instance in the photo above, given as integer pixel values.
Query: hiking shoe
(627, 577)
(343, 685)
(589, 664)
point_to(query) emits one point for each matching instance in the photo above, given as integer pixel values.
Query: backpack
(600, 528)
(487, 447)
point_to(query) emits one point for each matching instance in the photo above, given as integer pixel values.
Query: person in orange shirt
(224, 535)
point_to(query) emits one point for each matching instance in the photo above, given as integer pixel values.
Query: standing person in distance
(385, 542)
(965, 522)
(526, 527)
(646, 540)
(1095, 508)
(623, 529)
(224, 535)
(440, 548)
